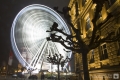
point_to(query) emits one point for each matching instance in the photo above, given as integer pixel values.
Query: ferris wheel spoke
(38, 54)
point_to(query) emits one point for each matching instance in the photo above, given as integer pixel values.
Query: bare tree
(75, 42)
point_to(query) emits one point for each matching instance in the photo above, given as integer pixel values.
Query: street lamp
(58, 60)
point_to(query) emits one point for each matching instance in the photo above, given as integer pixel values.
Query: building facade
(103, 61)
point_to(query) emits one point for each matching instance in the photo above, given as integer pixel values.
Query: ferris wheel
(28, 36)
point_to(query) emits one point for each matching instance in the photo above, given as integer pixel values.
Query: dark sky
(8, 11)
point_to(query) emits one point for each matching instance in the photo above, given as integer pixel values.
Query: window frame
(92, 58)
(103, 52)
(88, 26)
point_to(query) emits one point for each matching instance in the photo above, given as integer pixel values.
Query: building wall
(82, 13)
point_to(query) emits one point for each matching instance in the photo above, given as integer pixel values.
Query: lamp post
(58, 60)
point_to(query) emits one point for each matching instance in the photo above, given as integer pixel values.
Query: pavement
(10, 78)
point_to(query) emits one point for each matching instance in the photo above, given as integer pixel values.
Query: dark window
(77, 68)
(107, 4)
(118, 32)
(99, 15)
(91, 78)
(103, 52)
(111, 2)
(76, 7)
(83, 2)
(78, 24)
(118, 52)
(92, 57)
(119, 43)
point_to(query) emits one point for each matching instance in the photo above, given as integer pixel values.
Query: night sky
(8, 11)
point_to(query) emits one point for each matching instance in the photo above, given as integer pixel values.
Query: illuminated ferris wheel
(28, 36)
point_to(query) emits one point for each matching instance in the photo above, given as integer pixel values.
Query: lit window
(103, 52)
(88, 24)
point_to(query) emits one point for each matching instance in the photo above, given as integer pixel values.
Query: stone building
(103, 61)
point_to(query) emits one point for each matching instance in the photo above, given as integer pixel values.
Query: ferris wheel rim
(29, 7)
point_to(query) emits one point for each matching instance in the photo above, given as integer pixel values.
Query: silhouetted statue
(54, 28)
